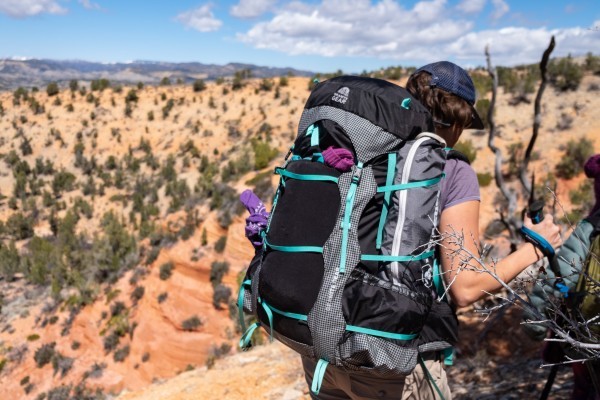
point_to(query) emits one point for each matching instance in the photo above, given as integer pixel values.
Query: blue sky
(317, 35)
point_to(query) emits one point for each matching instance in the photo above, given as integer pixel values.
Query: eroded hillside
(122, 233)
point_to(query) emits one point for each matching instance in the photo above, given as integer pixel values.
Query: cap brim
(477, 123)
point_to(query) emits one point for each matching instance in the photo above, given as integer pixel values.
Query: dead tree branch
(537, 118)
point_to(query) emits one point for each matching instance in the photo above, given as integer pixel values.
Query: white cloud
(500, 8)
(251, 8)
(201, 19)
(356, 28)
(471, 6)
(29, 8)
(429, 31)
(88, 4)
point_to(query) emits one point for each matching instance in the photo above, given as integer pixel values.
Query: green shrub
(483, 106)
(19, 226)
(484, 179)
(466, 147)
(33, 337)
(221, 294)
(110, 342)
(162, 297)
(263, 154)
(121, 354)
(191, 324)
(199, 85)
(52, 89)
(218, 269)
(565, 74)
(166, 271)
(44, 354)
(576, 154)
(220, 244)
(482, 82)
(61, 364)
(137, 294)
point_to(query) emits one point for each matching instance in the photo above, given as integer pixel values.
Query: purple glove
(259, 216)
(338, 158)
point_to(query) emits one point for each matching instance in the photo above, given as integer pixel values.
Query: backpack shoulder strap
(457, 155)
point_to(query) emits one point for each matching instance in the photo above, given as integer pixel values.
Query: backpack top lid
(381, 102)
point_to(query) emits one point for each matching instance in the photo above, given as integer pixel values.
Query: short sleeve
(459, 185)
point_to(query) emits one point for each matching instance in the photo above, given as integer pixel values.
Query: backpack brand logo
(341, 96)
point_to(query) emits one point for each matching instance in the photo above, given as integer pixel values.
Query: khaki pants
(339, 384)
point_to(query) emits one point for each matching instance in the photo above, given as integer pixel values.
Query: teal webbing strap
(437, 278)
(410, 185)
(385, 258)
(245, 340)
(318, 376)
(448, 354)
(313, 132)
(305, 177)
(269, 316)
(406, 103)
(348, 214)
(383, 334)
(292, 249)
(435, 386)
(240, 303)
(389, 180)
(299, 317)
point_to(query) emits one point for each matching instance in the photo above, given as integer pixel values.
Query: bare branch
(537, 118)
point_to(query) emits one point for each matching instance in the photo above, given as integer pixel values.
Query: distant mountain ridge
(40, 72)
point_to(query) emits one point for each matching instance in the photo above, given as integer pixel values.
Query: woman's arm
(467, 283)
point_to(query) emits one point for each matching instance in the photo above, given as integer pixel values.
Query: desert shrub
(61, 364)
(121, 354)
(162, 297)
(75, 345)
(575, 155)
(63, 182)
(466, 147)
(218, 269)
(199, 85)
(58, 393)
(99, 84)
(221, 294)
(166, 270)
(565, 74)
(131, 96)
(52, 89)
(165, 81)
(482, 82)
(483, 106)
(137, 294)
(191, 324)
(220, 244)
(583, 197)
(564, 122)
(283, 81)
(263, 154)
(33, 337)
(110, 342)
(19, 226)
(266, 84)
(484, 179)
(44, 354)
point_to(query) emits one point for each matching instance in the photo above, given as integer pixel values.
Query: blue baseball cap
(453, 79)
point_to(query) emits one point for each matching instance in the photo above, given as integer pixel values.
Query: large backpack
(346, 275)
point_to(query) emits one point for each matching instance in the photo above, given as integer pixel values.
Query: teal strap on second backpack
(240, 303)
(410, 185)
(305, 177)
(386, 258)
(313, 132)
(448, 354)
(430, 377)
(348, 214)
(317, 380)
(247, 336)
(383, 334)
(389, 181)
(292, 249)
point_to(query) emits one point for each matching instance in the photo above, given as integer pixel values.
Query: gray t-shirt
(459, 185)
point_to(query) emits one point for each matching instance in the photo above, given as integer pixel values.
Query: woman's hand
(547, 229)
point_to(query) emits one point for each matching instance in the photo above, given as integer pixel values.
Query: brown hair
(443, 106)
